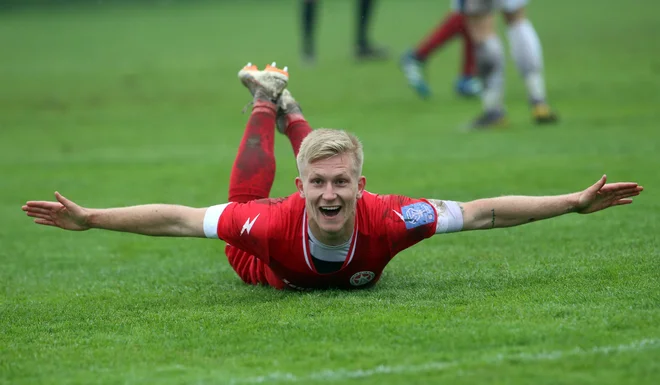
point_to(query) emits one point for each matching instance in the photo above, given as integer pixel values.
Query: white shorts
(485, 6)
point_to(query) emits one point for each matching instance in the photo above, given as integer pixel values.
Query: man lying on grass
(331, 233)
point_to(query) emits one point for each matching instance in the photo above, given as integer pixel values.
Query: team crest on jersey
(362, 278)
(417, 214)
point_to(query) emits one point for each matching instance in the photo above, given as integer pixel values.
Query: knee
(481, 27)
(514, 17)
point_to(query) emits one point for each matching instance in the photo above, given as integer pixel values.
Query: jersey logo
(248, 225)
(362, 278)
(417, 214)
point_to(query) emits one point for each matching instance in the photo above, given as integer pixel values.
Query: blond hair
(325, 143)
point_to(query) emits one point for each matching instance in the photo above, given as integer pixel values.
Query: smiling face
(331, 188)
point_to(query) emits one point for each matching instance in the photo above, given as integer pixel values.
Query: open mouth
(330, 211)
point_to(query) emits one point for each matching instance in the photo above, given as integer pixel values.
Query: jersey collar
(305, 243)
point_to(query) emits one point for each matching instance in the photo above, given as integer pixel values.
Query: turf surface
(118, 105)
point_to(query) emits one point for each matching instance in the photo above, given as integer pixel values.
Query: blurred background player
(412, 62)
(479, 23)
(525, 49)
(364, 49)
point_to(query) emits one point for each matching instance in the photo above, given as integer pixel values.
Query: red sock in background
(254, 168)
(469, 60)
(450, 27)
(297, 129)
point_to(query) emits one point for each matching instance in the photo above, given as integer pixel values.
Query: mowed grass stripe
(330, 375)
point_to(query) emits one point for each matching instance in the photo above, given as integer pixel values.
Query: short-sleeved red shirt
(275, 230)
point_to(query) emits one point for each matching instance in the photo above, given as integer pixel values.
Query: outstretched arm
(510, 211)
(154, 219)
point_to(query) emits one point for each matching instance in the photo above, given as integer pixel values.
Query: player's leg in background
(490, 61)
(527, 53)
(365, 49)
(308, 18)
(291, 122)
(468, 84)
(413, 61)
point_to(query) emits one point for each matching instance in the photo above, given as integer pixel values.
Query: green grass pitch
(129, 104)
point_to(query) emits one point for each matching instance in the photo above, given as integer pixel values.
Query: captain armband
(450, 216)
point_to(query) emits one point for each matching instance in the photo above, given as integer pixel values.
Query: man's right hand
(64, 213)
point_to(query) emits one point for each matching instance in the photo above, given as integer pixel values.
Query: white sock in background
(528, 56)
(490, 65)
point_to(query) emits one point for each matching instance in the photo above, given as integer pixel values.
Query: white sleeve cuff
(211, 219)
(450, 217)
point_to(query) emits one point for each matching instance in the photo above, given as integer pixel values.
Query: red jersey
(275, 230)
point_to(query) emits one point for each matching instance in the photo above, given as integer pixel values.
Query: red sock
(469, 60)
(254, 168)
(296, 130)
(450, 27)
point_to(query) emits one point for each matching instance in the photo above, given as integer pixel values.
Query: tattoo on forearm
(462, 209)
(532, 219)
(493, 222)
